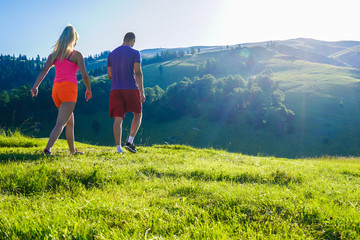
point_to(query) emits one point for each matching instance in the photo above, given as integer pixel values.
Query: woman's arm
(42, 74)
(81, 64)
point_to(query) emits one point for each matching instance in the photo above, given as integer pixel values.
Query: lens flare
(244, 53)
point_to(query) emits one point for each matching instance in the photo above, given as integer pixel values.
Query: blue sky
(32, 27)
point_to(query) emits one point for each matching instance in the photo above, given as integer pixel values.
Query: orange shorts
(64, 92)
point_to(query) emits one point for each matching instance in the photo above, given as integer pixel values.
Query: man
(127, 89)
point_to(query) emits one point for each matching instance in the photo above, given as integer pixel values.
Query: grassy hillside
(173, 192)
(324, 48)
(350, 56)
(324, 98)
(322, 93)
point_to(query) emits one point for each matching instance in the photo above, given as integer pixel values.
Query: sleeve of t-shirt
(138, 57)
(108, 61)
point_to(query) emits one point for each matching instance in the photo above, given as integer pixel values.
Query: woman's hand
(34, 91)
(88, 94)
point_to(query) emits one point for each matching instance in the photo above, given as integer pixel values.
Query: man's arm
(139, 80)
(109, 72)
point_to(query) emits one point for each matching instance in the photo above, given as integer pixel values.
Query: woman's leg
(69, 131)
(65, 111)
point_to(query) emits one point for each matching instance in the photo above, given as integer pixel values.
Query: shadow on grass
(277, 177)
(19, 157)
(45, 179)
(351, 174)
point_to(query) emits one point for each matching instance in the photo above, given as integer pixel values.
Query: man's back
(121, 60)
(127, 89)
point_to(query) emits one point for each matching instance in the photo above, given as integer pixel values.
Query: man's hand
(142, 97)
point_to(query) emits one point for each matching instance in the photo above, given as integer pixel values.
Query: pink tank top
(65, 70)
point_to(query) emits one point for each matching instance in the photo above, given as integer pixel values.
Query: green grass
(306, 77)
(324, 98)
(10, 138)
(173, 192)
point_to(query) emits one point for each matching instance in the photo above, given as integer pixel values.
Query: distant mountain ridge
(342, 51)
(154, 51)
(339, 53)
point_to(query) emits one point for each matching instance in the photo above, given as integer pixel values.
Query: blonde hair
(66, 43)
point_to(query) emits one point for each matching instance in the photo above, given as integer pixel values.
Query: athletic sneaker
(77, 152)
(47, 152)
(131, 147)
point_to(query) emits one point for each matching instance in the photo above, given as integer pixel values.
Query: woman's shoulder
(77, 53)
(77, 56)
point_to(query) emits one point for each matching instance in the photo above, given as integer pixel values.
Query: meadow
(320, 82)
(324, 97)
(173, 192)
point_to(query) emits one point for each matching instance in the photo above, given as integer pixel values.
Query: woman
(67, 62)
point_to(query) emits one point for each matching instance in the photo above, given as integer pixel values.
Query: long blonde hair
(66, 43)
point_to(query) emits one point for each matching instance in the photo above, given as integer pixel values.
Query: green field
(324, 98)
(318, 88)
(173, 192)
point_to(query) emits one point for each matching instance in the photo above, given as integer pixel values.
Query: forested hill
(286, 98)
(17, 71)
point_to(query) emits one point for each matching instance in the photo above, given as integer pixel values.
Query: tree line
(257, 101)
(164, 55)
(18, 71)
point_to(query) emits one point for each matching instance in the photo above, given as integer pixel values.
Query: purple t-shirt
(121, 60)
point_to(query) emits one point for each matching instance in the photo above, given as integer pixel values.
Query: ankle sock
(119, 149)
(131, 140)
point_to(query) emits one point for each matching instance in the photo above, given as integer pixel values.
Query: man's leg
(118, 131)
(135, 125)
(134, 129)
(65, 111)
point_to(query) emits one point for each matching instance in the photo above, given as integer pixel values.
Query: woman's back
(65, 70)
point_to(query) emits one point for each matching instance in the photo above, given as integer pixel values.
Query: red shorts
(123, 101)
(64, 92)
